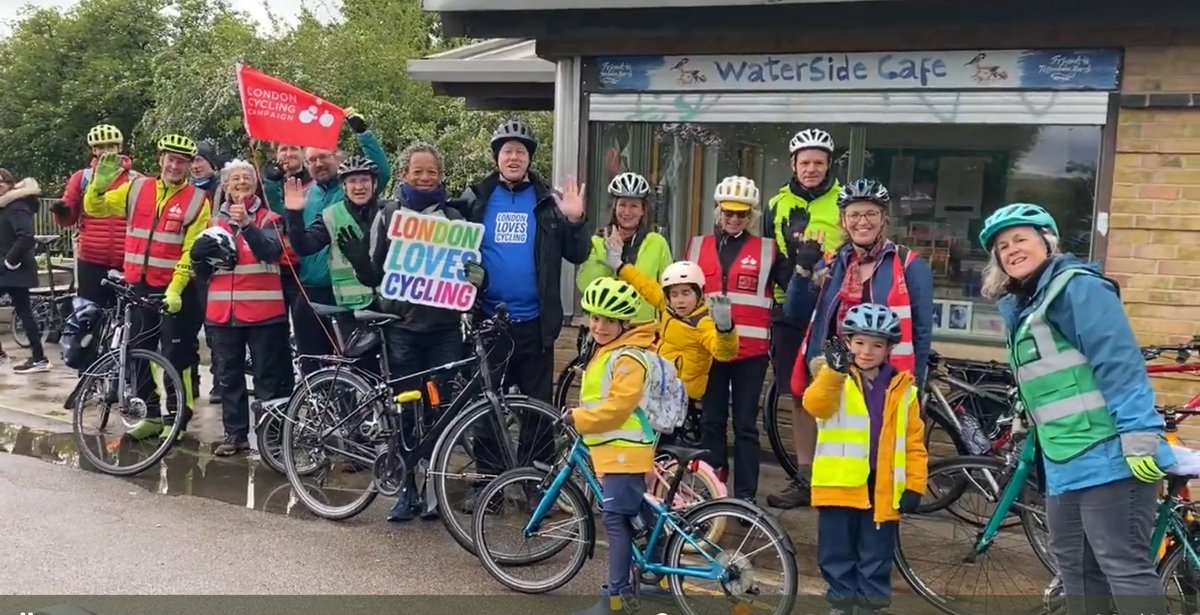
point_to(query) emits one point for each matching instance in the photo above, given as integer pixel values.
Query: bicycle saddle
(683, 454)
(320, 309)
(373, 316)
(47, 239)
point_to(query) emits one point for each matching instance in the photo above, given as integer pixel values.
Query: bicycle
(107, 382)
(50, 308)
(670, 546)
(356, 416)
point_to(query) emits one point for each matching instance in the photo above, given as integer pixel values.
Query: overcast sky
(324, 9)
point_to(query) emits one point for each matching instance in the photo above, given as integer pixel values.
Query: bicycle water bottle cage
(363, 342)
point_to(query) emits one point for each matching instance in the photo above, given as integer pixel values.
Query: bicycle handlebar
(153, 301)
(1182, 351)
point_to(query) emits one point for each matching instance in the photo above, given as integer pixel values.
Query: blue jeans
(855, 557)
(622, 502)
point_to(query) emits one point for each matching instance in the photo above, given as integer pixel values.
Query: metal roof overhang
(495, 74)
(450, 6)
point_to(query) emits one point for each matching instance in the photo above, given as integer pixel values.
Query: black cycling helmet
(864, 189)
(358, 165)
(513, 130)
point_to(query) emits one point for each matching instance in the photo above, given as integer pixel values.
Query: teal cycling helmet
(1017, 214)
(874, 320)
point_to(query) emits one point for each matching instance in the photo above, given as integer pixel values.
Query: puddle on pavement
(189, 469)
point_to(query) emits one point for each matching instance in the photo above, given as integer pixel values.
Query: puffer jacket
(823, 399)
(691, 342)
(101, 228)
(624, 396)
(18, 206)
(1089, 310)
(649, 253)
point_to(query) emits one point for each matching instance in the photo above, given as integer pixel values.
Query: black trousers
(746, 377)
(312, 332)
(177, 337)
(531, 369)
(271, 366)
(88, 281)
(23, 309)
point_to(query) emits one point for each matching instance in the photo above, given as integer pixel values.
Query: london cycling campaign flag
(280, 112)
(425, 260)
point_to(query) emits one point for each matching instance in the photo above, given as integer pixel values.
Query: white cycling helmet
(629, 185)
(811, 138)
(228, 255)
(683, 272)
(737, 189)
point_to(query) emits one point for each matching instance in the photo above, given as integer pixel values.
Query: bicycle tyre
(352, 378)
(707, 477)
(566, 379)
(101, 366)
(786, 460)
(495, 569)
(38, 306)
(440, 458)
(1168, 572)
(677, 548)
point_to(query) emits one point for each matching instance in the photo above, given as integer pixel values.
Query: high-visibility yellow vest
(597, 378)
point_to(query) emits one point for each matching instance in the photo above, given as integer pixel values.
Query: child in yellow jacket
(870, 464)
(691, 334)
(619, 438)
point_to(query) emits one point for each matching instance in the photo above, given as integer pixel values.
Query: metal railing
(44, 224)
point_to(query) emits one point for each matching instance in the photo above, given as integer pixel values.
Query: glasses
(873, 215)
(735, 214)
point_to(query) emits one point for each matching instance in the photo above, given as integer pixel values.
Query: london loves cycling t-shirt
(508, 252)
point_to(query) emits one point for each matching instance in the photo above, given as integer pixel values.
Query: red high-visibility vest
(154, 237)
(902, 357)
(252, 292)
(748, 285)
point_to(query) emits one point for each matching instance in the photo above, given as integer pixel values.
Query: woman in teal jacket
(631, 217)
(1083, 383)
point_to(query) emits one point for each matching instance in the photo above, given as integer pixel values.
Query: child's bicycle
(544, 503)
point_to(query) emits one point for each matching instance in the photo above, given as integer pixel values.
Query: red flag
(280, 112)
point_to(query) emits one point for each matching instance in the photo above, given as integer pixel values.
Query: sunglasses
(735, 214)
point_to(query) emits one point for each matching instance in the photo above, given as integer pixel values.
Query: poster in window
(958, 316)
(937, 315)
(986, 323)
(960, 185)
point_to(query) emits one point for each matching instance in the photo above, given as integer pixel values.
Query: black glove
(356, 122)
(806, 255)
(353, 247)
(476, 275)
(797, 224)
(837, 356)
(909, 501)
(271, 171)
(60, 208)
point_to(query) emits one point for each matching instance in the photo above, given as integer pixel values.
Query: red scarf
(851, 292)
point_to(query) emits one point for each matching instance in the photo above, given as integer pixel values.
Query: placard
(425, 260)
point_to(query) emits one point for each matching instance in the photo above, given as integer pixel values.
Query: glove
(108, 167)
(353, 247)
(806, 255)
(60, 208)
(612, 256)
(271, 171)
(721, 310)
(837, 356)
(355, 120)
(476, 274)
(1144, 468)
(793, 233)
(909, 501)
(173, 300)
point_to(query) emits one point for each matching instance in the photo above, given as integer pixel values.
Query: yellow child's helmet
(104, 134)
(178, 144)
(611, 298)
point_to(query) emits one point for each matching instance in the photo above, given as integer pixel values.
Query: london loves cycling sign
(425, 261)
(277, 111)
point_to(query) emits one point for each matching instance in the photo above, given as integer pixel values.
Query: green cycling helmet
(1017, 214)
(611, 298)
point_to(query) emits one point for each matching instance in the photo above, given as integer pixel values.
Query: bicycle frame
(1172, 512)
(1025, 460)
(577, 460)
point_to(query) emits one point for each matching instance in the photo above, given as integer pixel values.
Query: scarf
(813, 194)
(420, 200)
(851, 292)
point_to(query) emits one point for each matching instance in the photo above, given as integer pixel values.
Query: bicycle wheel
(467, 456)
(510, 500)
(345, 483)
(41, 316)
(566, 391)
(699, 486)
(100, 394)
(1008, 578)
(1181, 579)
(779, 433)
(760, 573)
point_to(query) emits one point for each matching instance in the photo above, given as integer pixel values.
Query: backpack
(664, 399)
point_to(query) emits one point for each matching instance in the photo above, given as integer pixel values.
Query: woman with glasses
(867, 268)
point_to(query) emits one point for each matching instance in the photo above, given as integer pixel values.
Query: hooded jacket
(648, 252)
(18, 206)
(624, 396)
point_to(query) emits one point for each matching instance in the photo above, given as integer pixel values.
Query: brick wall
(1154, 236)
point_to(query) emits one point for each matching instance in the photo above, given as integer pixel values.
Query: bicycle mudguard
(766, 517)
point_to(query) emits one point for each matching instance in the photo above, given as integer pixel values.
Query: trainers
(232, 446)
(4, 360)
(796, 495)
(30, 366)
(146, 428)
(405, 508)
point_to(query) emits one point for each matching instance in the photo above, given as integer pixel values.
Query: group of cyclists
(814, 289)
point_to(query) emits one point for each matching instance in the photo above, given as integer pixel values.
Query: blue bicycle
(544, 504)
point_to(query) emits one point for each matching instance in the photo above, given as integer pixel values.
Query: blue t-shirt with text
(508, 253)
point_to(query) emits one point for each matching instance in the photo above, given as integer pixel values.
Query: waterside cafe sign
(1040, 69)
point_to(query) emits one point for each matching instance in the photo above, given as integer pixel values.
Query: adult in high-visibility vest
(867, 268)
(805, 207)
(101, 227)
(166, 215)
(1084, 386)
(737, 263)
(239, 257)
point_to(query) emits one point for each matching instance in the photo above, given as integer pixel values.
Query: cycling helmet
(1017, 214)
(738, 190)
(683, 272)
(611, 298)
(864, 189)
(357, 165)
(177, 144)
(226, 257)
(513, 130)
(872, 319)
(811, 138)
(629, 185)
(104, 134)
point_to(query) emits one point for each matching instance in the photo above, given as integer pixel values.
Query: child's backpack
(664, 399)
